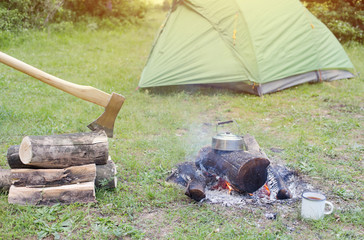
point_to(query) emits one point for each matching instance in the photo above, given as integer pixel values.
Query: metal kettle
(227, 141)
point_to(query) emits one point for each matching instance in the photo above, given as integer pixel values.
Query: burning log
(241, 171)
(187, 175)
(254, 148)
(283, 190)
(53, 177)
(196, 190)
(61, 151)
(82, 193)
(244, 171)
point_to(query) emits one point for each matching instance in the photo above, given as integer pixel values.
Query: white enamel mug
(313, 205)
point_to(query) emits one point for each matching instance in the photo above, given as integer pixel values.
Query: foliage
(20, 14)
(166, 5)
(344, 18)
(16, 15)
(122, 9)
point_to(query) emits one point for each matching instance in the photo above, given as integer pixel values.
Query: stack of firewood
(65, 169)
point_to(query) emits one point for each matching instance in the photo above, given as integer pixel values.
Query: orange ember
(267, 189)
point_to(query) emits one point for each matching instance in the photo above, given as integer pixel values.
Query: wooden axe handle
(87, 93)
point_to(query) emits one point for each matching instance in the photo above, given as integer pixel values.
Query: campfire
(237, 177)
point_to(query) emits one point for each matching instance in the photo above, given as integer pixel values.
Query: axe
(112, 103)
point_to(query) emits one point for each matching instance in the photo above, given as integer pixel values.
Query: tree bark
(5, 179)
(80, 193)
(14, 159)
(102, 180)
(66, 150)
(253, 146)
(35, 178)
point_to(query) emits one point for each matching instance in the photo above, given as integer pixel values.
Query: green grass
(319, 126)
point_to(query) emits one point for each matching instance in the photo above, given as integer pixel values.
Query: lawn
(319, 126)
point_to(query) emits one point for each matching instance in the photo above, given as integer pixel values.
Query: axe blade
(106, 121)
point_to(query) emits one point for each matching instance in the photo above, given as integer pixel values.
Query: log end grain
(25, 150)
(14, 159)
(284, 194)
(195, 190)
(253, 175)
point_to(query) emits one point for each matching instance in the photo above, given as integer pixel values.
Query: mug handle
(331, 207)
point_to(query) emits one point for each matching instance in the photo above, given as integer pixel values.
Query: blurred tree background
(17, 15)
(343, 17)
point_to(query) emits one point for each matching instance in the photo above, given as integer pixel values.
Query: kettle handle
(226, 122)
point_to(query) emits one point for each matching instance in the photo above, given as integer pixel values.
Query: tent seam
(232, 49)
(251, 42)
(318, 58)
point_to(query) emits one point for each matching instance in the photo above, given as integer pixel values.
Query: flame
(267, 189)
(229, 187)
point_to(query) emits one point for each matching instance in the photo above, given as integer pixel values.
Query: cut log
(53, 177)
(244, 171)
(105, 178)
(14, 159)
(106, 175)
(5, 180)
(66, 150)
(75, 193)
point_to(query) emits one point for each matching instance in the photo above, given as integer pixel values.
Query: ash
(286, 178)
(261, 197)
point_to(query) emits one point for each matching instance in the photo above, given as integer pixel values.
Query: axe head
(106, 121)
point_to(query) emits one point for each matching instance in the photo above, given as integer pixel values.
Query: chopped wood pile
(65, 169)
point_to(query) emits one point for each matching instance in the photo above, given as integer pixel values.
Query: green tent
(256, 46)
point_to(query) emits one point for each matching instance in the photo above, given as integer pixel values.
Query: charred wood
(254, 148)
(188, 176)
(283, 190)
(196, 190)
